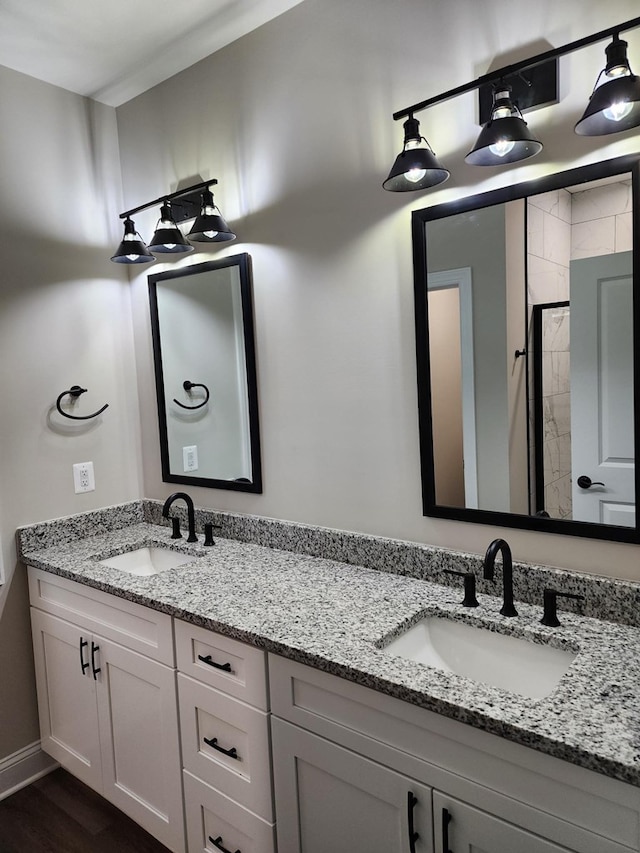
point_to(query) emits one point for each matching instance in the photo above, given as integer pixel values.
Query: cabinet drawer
(139, 628)
(229, 726)
(228, 665)
(211, 815)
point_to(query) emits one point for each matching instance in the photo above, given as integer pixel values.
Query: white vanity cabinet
(226, 750)
(107, 701)
(347, 758)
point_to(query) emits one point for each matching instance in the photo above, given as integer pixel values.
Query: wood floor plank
(59, 814)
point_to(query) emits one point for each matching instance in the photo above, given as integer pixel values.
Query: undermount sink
(147, 561)
(511, 663)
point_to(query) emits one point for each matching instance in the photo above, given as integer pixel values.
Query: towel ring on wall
(187, 387)
(75, 392)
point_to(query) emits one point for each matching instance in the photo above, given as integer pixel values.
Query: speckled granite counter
(336, 616)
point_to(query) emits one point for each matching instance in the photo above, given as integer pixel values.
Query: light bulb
(414, 175)
(618, 110)
(170, 245)
(210, 234)
(130, 237)
(500, 112)
(502, 147)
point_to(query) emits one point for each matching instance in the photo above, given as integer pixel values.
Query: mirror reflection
(524, 315)
(204, 354)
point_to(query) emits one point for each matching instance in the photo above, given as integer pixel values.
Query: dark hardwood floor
(59, 814)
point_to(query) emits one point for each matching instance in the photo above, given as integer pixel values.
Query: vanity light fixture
(505, 138)
(209, 226)
(132, 250)
(168, 238)
(614, 106)
(415, 167)
(615, 102)
(194, 202)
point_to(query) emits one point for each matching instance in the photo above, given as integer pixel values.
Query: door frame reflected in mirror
(629, 165)
(242, 262)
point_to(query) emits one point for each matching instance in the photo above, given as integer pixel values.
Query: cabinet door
(461, 828)
(330, 799)
(138, 719)
(66, 696)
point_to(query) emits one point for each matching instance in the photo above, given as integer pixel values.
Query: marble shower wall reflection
(562, 226)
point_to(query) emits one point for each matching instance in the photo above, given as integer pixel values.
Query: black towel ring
(187, 387)
(75, 392)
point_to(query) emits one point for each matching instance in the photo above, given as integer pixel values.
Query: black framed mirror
(554, 451)
(205, 369)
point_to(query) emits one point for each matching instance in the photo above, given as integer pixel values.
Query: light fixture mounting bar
(170, 197)
(517, 67)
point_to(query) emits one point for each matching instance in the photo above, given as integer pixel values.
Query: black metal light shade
(614, 105)
(209, 226)
(505, 138)
(416, 166)
(132, 250)
(168, 238)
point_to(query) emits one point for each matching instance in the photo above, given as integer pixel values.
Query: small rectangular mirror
(204, 356)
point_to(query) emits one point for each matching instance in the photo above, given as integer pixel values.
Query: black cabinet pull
(413, 835)
(217, 842)
(207, 659)
(446, 820)
(232, 753)
(95, 669)
(84, 665)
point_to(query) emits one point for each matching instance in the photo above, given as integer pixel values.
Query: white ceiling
(112, 50)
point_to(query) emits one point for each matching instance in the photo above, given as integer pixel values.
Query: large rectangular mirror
(526, 320)
(204, 355)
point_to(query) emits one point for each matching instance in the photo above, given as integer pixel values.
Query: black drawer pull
(412, 802)
(225, 666)
(217, 842)
(83, 664)
(95, 669)
(232, 753)
(446, 820)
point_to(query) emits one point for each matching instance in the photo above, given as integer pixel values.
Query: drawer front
(226, 744)
(214, 821)
(228, 665)
(139, 628)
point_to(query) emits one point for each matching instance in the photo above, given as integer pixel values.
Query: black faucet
(507, 573)
(190, 512)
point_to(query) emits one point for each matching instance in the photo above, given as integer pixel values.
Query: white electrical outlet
(190, 458)
(83, 477)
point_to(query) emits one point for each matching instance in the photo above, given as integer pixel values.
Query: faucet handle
(175, 522)
(549, 601)
(208, 532)
(470, 599)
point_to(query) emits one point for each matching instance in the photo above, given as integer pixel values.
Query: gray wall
(295, 122)
(65, 319)
(477, 240)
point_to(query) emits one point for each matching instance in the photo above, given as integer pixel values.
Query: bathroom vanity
(297, 729)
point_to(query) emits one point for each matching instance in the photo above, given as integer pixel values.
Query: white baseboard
(24, 767)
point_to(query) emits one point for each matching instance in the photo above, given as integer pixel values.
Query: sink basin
(147, 561)
(510, 663)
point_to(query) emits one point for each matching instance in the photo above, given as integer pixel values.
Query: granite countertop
(336, 617)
